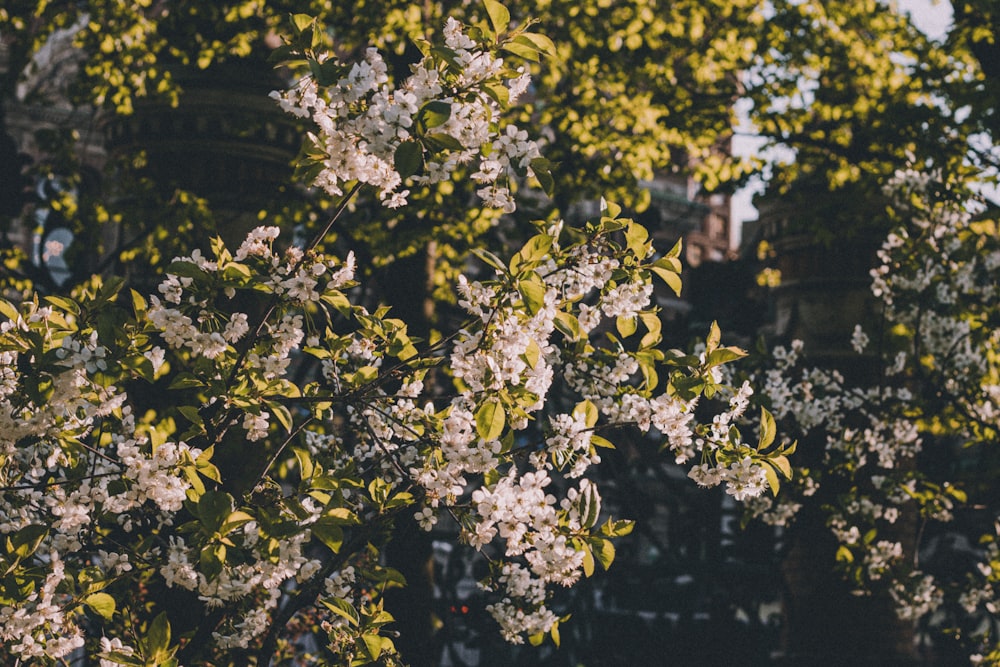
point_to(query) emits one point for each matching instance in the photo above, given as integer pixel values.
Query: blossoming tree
(175, 492)
(903, 454)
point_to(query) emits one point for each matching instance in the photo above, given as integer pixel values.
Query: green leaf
(302, 22)
(772, 479)
(533, 291)
(499, 16)
(234, 521)
(237, 271)
(668, 263)
(391, 577)
(605, 553)
(406, 352)
(185, 381)
(542, 169)
(782, 464)
(329, 533)
(342, 608)
(653, 329)
(626, 326)
(724, 355)
(956, 493)
(378, 490)
(617, 528)
(190, 412)
(688, 387)
(110, 288)
(490, 259)
(499, 93)
(211, 560)
(409, 158)
(366, 374)
(676, 250)
(381, 618)
(672, 280)
(197, 489)
(588, 561)
(490, 420)
(532, 354)
(282, 54)
(714, 336)
(282, 414)
(138, 304)
(540, 42)
(119, 658)
(447, 55)
(213, 508)
(434, 114)
(305, 462)
(338, 300)
(9, 311)
(373, 645)
(599, 441)
(528, 52)
(219, 250)
(568, 325)
(158, 634)
(183, 269)
(440, 141)
(534, 251)
(102, 603)
(767, 429)
(637, 239)
(342, 515)
(647, 365)
(25, 541)
(589, 506)
(68, 305)
(205, 466)
(610, 209)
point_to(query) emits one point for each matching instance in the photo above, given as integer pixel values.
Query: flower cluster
(190, 475)
(935, 390)
(369, 128)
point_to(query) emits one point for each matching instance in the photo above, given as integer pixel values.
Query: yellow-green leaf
(605, 553)
(304, 460)
(588, 561)
(626, 326)
(672, 280)
(490, 420)
(598, 441)
(772, 479)
(767, 429)
(533, 291)
(499, 16)
(541, 42)
(782, 464)
(568, 325)
(102, 603)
